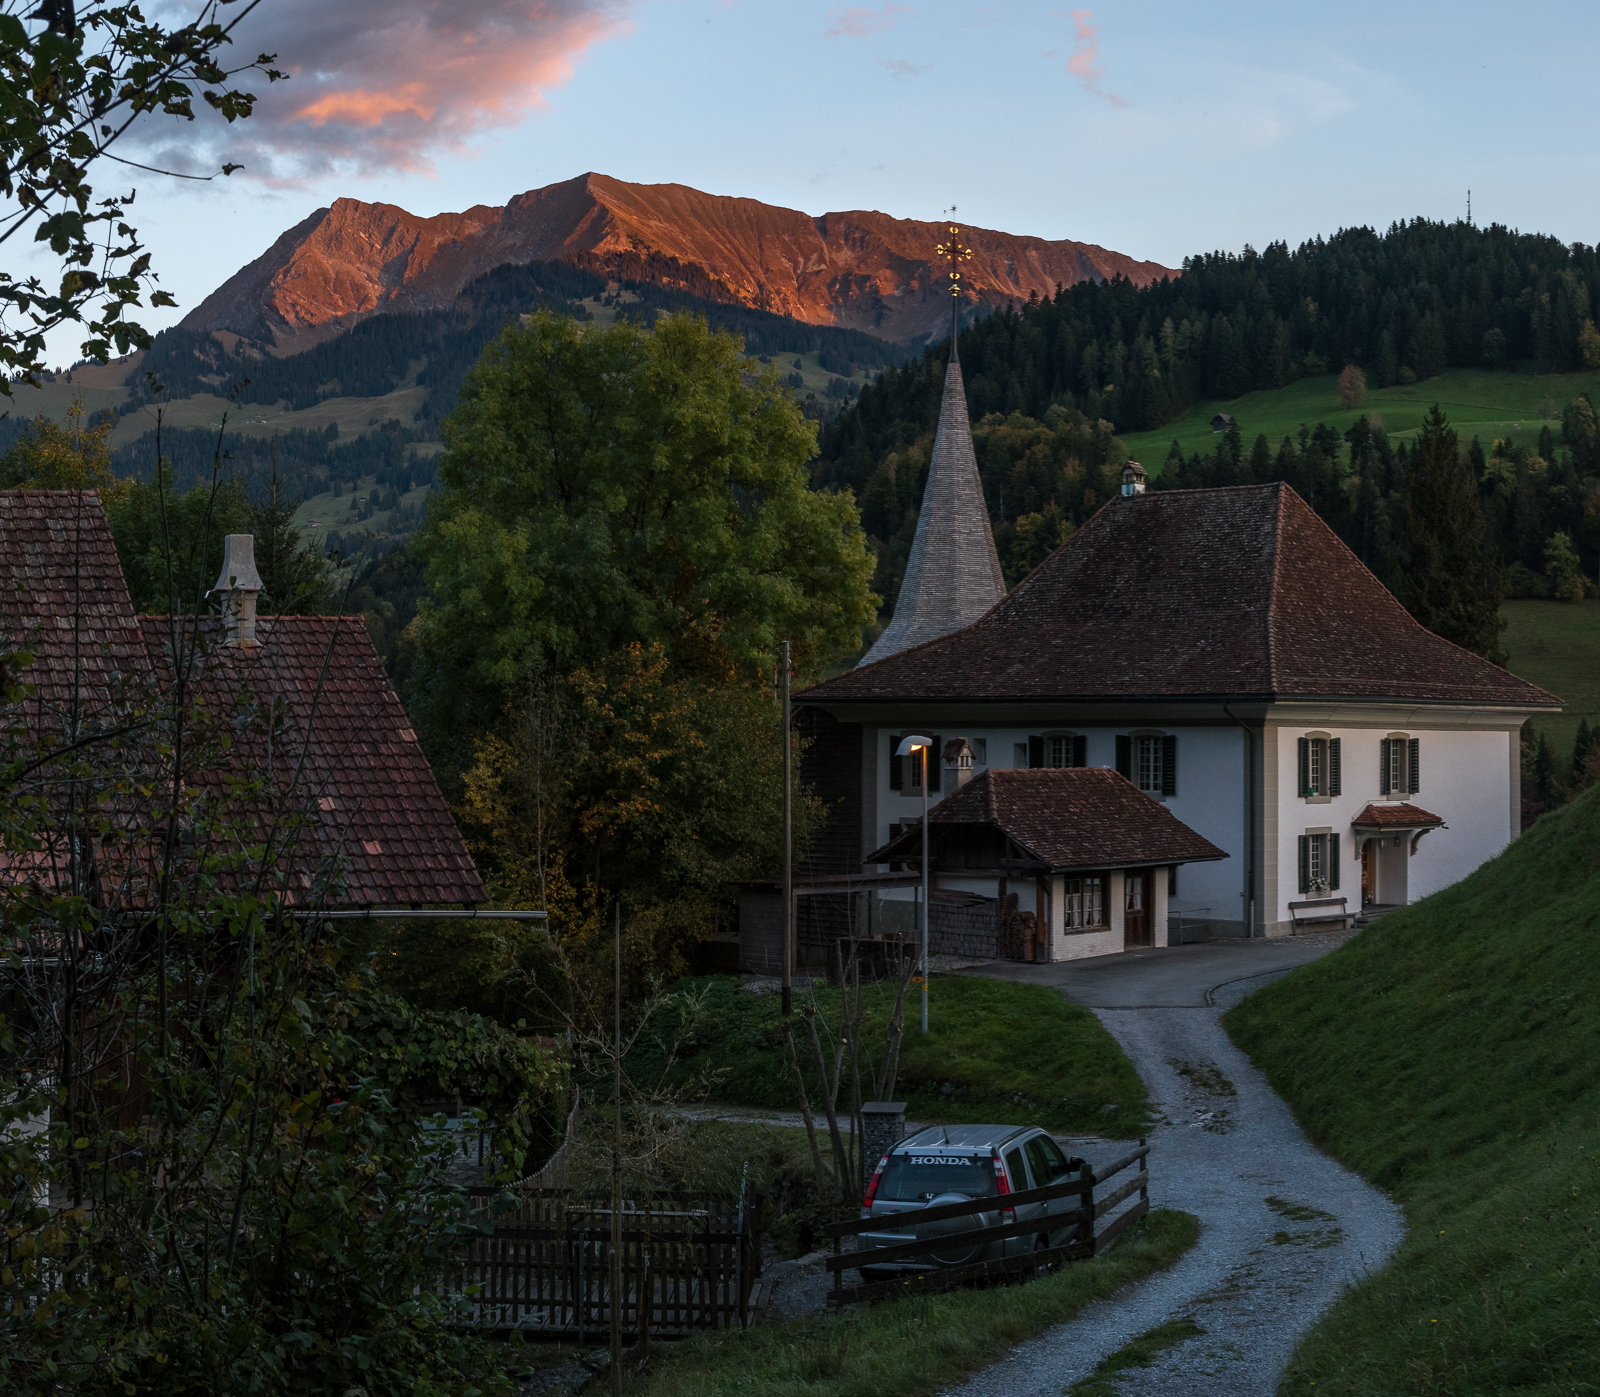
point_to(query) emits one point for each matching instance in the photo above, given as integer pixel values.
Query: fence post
(1086, 1202)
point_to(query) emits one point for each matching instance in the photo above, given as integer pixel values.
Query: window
(1048, 1163)
(1319, 767)
(980, 750)
(1057, 750)
(1319, 864)
(1150, 762)
(905, 773)
(1083, 903)
(1401, 765)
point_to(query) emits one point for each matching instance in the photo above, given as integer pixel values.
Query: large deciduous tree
(606, 487)
(1448, 576)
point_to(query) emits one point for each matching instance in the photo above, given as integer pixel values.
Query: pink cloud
(387, 86)
(857, 21)
(1084, 62)
(902, 68)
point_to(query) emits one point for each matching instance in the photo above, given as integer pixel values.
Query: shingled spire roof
(953, 575)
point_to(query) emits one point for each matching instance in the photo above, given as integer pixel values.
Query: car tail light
(1003, 1186)
(872, 1185)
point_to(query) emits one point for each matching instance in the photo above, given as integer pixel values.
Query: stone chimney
(239, 582)
(958, 760)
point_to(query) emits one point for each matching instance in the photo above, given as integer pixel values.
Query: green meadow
(1556, 645)
(1478, 402)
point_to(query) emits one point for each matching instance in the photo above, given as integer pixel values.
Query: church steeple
(953, 575)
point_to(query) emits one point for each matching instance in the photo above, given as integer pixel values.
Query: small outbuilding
(1223, 422)
(1080, 852)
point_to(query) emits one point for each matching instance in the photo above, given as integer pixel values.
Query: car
(953, 1164)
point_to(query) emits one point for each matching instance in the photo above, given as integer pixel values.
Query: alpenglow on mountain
(861, 270)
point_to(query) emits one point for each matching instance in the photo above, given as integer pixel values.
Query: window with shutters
(1319, 864)
(1150, 761)
(1400, 765)
(905, 773)
(1319, 771)
(1057, 749)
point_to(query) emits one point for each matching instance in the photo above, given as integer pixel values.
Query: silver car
(951, 1164)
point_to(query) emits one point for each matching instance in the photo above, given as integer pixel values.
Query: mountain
(859, 270)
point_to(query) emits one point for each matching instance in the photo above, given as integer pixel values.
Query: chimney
(958, 759)
(240, 582)
(1133, 479)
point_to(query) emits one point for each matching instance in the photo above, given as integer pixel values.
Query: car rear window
(915, 1178)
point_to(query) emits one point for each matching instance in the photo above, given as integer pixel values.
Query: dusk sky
(1157, 129)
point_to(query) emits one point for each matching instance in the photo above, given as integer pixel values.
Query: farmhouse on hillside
(328, 725)
(1226, 656)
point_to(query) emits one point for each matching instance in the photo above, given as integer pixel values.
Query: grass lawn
(1556, 645)
(1448, 1054)
(1477, 402)
(910, 1347)
(1011, 1054)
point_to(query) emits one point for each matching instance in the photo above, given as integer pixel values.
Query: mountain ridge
(855, 269)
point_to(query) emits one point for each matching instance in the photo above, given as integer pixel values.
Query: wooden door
(1136, 908)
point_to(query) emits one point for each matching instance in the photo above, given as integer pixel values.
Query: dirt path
(1285, 1228)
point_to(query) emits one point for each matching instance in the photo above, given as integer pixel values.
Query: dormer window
(1319, 767)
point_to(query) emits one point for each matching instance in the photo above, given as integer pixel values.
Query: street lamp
(907, 747)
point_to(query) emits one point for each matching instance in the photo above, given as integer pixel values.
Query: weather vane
(955, 252)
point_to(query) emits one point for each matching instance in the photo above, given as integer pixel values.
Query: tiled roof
(1067, 818)
(1395, 817)
(63, 599)
(1193, 594)
(953, 572)
(361, 768)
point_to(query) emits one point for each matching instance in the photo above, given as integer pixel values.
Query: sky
(1158, 129)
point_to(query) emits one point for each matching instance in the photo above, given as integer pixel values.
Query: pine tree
(1580, 751)
(1445, 572)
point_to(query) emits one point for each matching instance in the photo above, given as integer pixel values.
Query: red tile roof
(63, 599)
(1193, 594)
(1395, 817)
(345, 733)
(1067, 818)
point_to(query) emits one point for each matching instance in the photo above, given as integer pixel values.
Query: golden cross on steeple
(954, 252)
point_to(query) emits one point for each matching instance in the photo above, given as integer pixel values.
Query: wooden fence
(1089, 1213)
(543, 1268)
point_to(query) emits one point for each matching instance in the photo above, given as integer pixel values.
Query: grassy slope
(1447, 1053)
(1013, 1054)
(1477, 402)
(909, 1347)
(1557, 646)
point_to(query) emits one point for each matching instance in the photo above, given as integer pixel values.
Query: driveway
(1284, 1229)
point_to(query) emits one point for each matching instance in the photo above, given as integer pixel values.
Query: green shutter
(1305, 767)
(1383, 762)
(1305, 864)
(1036, 751)
(1333, 863)
(1414, 765)
(1125, 755)
(1335, 780)
(1080, 751)
(1169, 765)
(896, 766)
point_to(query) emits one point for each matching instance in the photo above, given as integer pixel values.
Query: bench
(1318, 910)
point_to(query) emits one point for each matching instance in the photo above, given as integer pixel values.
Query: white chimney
(240, 582)
(958, 760)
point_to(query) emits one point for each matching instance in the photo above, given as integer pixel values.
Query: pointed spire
(953, 575)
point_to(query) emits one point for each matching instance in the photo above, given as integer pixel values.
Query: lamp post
(908, 746)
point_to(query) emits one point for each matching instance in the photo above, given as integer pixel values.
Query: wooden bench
(1318, 910)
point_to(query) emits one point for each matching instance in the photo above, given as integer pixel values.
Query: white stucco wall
(1465, 778)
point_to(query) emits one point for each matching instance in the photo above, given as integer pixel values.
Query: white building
(1230, 656)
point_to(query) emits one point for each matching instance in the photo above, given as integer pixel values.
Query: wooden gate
(543, 1268)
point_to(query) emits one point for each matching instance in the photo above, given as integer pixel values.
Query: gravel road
(1284, 1228)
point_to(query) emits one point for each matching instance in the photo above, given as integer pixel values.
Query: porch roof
(1066, 819)
(1386, 817)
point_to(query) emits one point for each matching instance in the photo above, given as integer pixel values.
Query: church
(1219, 656)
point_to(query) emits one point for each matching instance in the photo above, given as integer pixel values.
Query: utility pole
(616, 1156)
(788, 833)
(926, 908)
